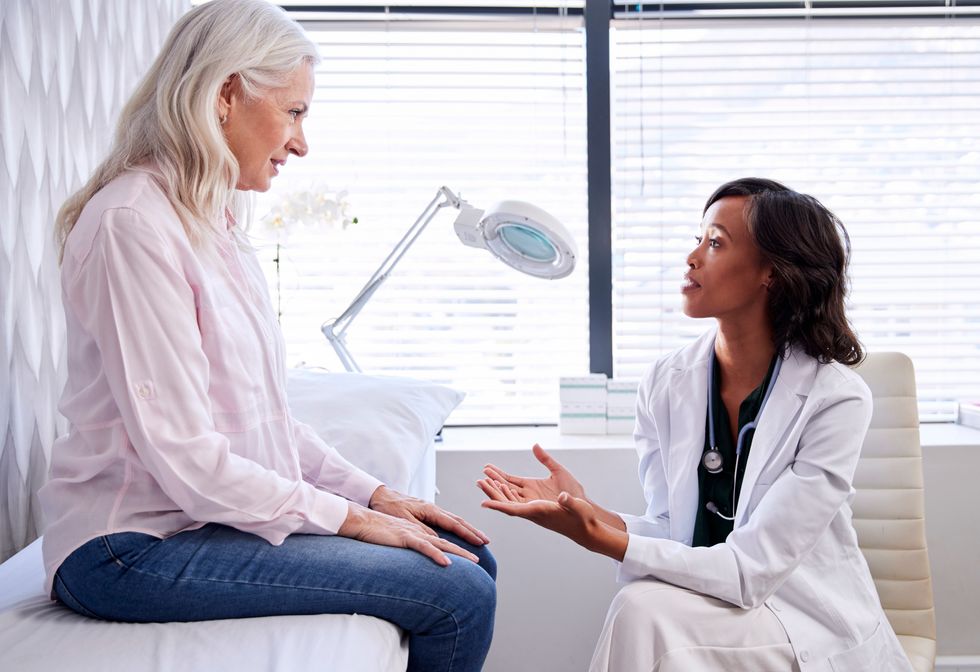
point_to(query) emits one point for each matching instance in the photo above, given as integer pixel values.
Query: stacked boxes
(583, 404)
(620, 406)
(593, 404)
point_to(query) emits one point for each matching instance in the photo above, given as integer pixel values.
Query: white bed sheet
(38, 635)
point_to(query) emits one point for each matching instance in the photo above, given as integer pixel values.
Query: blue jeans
(219, 572)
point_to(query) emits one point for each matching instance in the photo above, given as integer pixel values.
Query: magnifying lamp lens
(527, 242)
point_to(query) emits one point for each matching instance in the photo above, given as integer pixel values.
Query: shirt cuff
(644, 527)
(633, 523)
(327, 514)
(634, 565)
(360, 486)
(357, 485)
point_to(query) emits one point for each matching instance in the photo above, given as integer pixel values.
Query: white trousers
(656, 627)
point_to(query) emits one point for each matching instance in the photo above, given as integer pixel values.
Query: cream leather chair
(889, 509)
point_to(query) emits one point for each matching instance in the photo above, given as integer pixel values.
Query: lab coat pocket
(868, 655)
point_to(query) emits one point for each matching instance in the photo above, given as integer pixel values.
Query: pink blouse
(176, 395)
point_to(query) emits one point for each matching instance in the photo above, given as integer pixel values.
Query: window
(492, 107)
(878, 118)
(870, 106)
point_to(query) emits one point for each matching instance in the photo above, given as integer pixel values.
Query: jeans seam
(281, 585)
(118, 561)
(115, 558)
(450, 614)
(78, 603)
(452, 656)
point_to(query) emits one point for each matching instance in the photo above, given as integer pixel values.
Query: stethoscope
(712, 459)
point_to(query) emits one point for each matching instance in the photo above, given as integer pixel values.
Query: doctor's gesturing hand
(557, 503)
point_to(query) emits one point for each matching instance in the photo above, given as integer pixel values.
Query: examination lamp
(521, 235)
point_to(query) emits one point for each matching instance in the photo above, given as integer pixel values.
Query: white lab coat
(793, 547)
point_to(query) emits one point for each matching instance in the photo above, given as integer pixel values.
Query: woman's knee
(472, 591)
(479, 584)
(487, 561)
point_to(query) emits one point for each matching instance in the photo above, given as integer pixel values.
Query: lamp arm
(334, 329)
(401, 247)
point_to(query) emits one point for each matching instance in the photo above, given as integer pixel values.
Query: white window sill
(498, 439)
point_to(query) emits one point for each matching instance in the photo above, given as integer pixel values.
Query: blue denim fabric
(219, 572)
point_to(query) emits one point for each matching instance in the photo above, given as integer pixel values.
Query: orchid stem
(278, 285)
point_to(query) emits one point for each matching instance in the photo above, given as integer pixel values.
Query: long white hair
(172, 118)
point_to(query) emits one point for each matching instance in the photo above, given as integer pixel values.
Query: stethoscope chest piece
(712, 461)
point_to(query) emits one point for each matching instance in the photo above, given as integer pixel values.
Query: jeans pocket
(125, 548)
(69, 599)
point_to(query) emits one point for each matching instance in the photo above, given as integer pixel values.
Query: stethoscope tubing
(741, 434)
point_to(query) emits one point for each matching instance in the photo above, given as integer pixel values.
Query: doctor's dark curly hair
(809, 249)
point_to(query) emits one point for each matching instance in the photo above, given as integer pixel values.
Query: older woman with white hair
(184, 489)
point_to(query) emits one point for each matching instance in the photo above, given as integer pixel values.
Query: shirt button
(804, 655)
(143, 390)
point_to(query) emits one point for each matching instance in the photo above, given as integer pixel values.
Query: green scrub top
(710, 528)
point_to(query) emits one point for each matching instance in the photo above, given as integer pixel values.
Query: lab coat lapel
(688, 408)
(778, 417)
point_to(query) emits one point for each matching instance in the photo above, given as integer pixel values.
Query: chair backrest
(889, 511)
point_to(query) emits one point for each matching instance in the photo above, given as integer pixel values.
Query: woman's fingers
(381, 528)
(498, 474)
(450, 547)
(573, 504)
(520, 509)
(427, 548)
(425, 529)
(504, 506)
(423, 514)
(478, 533)
(491, 489)
(453, 523)
(512, 486)
(510, 493)
(487, 488)
(435, 547)
(500, 491)
(542, 455)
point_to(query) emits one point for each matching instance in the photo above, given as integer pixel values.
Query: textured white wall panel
(66, 68)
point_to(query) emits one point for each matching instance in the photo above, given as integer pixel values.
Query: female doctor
(748, 439)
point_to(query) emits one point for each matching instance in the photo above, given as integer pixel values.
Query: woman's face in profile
(262, 133)
(727, 274)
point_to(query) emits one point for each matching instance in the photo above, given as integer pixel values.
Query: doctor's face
(727, 275)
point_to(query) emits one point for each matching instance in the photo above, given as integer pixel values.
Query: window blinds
(878, 118)
(492, 109)
(853, 9)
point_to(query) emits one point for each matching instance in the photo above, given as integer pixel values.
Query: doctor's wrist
(610, 518)
(611, 542)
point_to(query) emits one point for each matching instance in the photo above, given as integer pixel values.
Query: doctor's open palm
(526, 489)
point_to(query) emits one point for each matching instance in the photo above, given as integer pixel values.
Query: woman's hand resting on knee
(380, 528)
(424, 513)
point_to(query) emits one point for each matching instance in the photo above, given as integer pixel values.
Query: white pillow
(382, 424)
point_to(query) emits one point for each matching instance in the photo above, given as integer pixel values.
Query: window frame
(598, 17)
